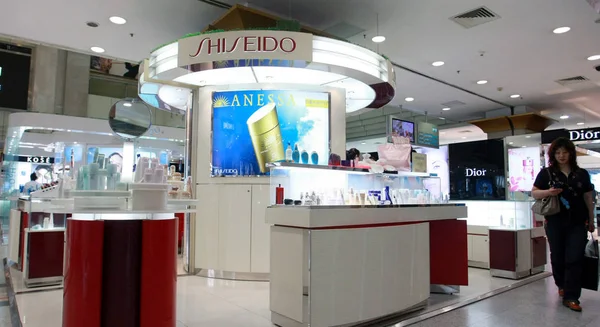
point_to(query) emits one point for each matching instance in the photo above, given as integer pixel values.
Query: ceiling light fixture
(482, 82)
(127, 104)
(97, 49)
(511, 143)
(594, 57)
(464, 137)
(561, 30)
(438, 63)
(515, 96)
(445, 109)
(564, 117)
(363, 143)
(409, 99)
(580, 123)
(117, 20)
(378, 38)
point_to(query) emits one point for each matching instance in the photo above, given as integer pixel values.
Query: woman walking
(567, 230)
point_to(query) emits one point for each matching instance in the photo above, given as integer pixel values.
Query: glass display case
(296, 184)
(508, 215)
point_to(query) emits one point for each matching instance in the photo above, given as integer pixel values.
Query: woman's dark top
(572, 203)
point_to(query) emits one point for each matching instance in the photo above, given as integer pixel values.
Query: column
(77, 83)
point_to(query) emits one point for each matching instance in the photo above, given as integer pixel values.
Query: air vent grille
(572, 80)
(453, 104)
(475, 17)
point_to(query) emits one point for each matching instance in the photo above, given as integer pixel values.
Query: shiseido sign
(589, 134)
(276, 45)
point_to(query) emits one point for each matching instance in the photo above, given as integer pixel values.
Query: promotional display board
(428, 135)
(399, 127)
(523, 166)
(437, 163)
(477, 170)
(253, 128)
(419, 162)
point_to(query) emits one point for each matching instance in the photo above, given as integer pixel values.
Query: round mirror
(130, 118)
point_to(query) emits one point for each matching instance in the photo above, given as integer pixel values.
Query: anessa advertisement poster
(253, 128)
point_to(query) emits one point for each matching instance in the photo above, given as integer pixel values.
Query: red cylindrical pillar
(82, 293)
(159, 273)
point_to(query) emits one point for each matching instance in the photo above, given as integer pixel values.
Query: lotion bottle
(288, 153)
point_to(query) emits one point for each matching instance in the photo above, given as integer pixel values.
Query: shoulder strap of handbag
(549, 177)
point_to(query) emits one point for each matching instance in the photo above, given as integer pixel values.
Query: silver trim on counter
(230, 275)
(370, 206)
(510, 274)
(444, 289)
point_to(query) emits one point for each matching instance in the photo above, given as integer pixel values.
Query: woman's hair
(352, 154)
(33, 176)
(566, 144)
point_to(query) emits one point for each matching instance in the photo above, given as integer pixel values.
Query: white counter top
(345, 216)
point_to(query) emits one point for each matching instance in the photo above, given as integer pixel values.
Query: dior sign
(584, 135)
(240, 45)
(473, 172)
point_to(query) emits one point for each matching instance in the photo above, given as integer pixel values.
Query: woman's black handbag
(590, 278)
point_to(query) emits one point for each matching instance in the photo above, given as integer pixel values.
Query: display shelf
(332, 185)
(344, 169)
(500, 215)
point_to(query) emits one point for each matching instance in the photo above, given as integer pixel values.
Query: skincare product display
(333, 197)
(150, 188)
(98, 175)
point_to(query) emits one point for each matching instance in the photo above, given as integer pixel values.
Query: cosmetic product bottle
(296, 154)
(279, 195)
(100, 161)
(148, 176)
(111, 179)
(102, 179)
(96, 154)
(288, 153)
(79, 185)
(72, 161)
(314, 158)
(137, 160)
(85, 177)
(142, 164)
(94, 169)
(159, 174)
(304, 157)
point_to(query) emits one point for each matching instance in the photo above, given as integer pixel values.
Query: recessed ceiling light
(581, 123)
(524, 146)
(117, 20)
(564, 117)
(464, 137)
(92, 24)
(594, 57)
(409, 99)
(482, 82)
(515, 96)
(97, 49)
(378, 38)
(364, 143)
(127, 104)
(438, 63)
(561, 30)
(511, 143)
(528, 136)
(445, 109)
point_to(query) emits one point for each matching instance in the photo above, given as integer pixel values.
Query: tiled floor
(205, 302)
(536, 304)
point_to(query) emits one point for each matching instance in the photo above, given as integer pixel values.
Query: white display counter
(344, 265)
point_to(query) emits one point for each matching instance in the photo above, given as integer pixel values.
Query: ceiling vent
(453, 104)
(572, 80)
(475, 17)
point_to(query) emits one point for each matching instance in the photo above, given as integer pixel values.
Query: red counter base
(448, 247)
(120, 273)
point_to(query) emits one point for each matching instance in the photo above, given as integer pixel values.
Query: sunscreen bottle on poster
(265, 134)
(288, 153)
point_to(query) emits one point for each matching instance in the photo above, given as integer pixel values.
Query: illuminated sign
(585, 134)
(473, 172)
(36, 159)
(240, 45)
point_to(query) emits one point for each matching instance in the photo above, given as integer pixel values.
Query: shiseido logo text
(472, 172)
(221, 171)
(584, 135)
(246, 44)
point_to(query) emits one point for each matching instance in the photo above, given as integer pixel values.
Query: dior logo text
(472, 172)
(584, 135)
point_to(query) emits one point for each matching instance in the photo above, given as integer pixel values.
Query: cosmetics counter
(503, 237)
(337, 232)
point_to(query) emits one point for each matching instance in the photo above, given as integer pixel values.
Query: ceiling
(517, 53)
